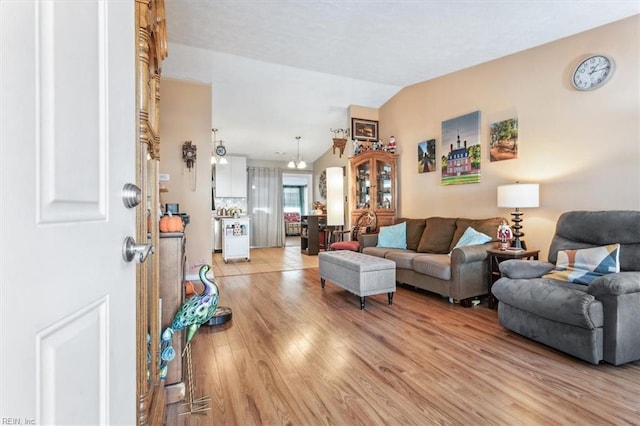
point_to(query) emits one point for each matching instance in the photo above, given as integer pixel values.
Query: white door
(67, 147)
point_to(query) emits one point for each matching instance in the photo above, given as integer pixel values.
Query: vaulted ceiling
(287, 68)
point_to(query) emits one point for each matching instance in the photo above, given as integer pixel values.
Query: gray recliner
(597, 322)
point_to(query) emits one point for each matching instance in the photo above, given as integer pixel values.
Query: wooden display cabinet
(374, 186)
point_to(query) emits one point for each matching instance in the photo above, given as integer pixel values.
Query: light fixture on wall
(298, 163)
(218, 153)
(335, 196)
(518, 196)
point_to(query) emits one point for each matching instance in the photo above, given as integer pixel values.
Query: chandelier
(298, 163)
(218, 153)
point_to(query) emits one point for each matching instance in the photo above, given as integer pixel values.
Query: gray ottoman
(361, 274)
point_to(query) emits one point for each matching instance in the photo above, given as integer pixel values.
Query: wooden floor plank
(297, 354)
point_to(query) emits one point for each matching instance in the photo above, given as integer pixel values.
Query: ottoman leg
(322, 282)
(362, 303)
(390, 297)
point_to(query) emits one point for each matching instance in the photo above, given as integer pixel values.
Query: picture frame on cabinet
(364, 130)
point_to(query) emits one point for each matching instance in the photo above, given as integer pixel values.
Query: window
(293, 198)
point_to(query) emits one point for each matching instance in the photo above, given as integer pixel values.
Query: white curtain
(265, 207)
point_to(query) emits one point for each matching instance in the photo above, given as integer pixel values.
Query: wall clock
(322, 184)
(593, 72)
(221, 150)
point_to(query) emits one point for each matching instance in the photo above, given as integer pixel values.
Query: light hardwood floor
(287, 258)
(300, 355)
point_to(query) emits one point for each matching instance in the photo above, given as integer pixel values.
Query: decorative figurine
(392, 145)
(504, 235)
(194, 312)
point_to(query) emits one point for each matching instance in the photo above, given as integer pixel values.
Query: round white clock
(593, 72)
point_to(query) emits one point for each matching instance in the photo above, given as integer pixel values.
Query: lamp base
(518, 244)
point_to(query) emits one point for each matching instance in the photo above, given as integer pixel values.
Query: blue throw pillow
(394, 236)
(471, 237)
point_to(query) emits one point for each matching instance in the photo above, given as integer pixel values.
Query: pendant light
(298, 163)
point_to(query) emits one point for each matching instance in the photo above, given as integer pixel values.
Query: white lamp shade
(335, 196)
(519, 195)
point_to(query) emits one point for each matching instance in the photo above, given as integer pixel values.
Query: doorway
(296, 199)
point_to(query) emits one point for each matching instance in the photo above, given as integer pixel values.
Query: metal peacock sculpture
(194, 312)
(198, 309)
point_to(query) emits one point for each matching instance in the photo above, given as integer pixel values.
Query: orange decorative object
(189, 289)
(171, 224)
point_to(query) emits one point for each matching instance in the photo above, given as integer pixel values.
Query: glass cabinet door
(384, 185)
(363, 186)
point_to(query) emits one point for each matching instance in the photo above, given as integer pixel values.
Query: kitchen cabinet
(231, 178)
(373, 177)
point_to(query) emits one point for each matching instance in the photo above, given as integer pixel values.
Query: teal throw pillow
(394, 236)
(471, 237)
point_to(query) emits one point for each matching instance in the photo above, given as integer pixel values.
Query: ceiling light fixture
(298, 163)
(218, 152)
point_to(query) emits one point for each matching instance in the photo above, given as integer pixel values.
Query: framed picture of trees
(503, 143)
(460, 159)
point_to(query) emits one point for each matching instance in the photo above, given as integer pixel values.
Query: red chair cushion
(346, 245)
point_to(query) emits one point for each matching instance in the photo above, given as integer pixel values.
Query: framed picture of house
(364, 130)
(461, 149)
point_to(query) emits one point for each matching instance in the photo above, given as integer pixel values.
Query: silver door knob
(131, 195)
(131, 250)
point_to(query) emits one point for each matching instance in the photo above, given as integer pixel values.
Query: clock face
(221, 150)
(593, 72)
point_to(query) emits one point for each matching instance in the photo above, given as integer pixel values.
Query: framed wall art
(503, 140)
(364, 130)
(427, 156)
(461, 149)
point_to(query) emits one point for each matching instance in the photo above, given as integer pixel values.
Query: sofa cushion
(377, 251)
(486, 226)
(584, 265)
(393, 236)
(554, 300)
(415, 228)
(437, 235)
(471, 237)
(402, 258)
(434, 265)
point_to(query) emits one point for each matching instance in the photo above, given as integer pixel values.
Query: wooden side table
(495, 257)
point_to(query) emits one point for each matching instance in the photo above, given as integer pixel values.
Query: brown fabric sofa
(426, 262)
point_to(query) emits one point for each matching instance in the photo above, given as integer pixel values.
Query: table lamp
(517, 196)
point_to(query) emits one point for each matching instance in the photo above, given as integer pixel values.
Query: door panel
(67, 147)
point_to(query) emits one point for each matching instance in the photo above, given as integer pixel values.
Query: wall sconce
(518, 195)
(335, 196)
(220, 151)
(339, 140)
(298, 163)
